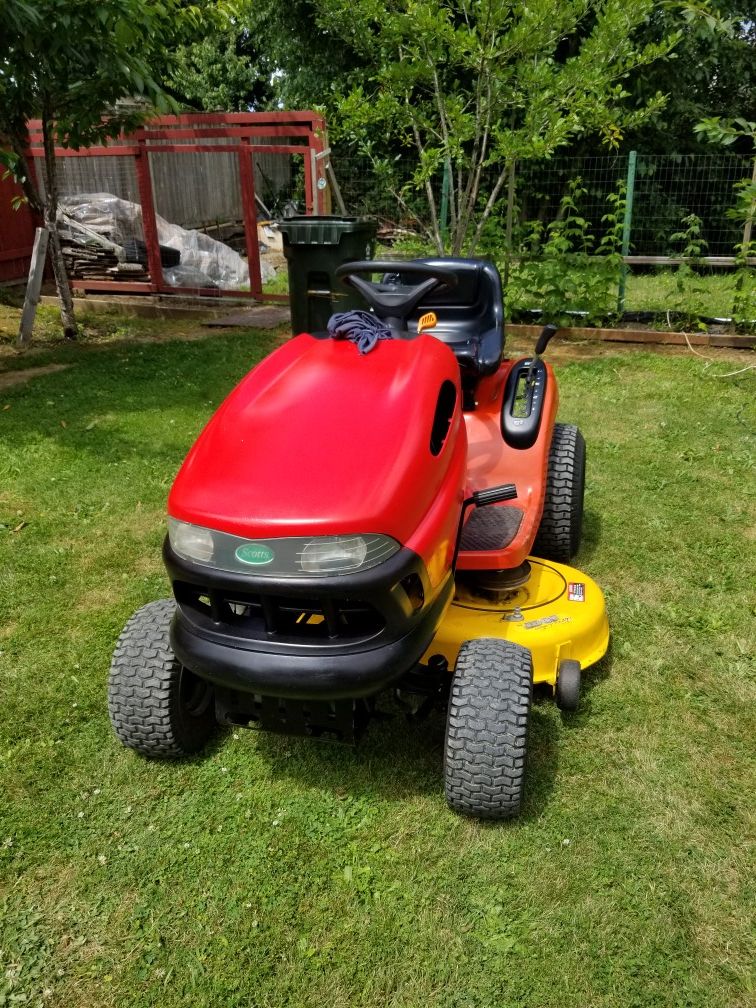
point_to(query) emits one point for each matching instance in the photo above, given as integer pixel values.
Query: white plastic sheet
(202, 257)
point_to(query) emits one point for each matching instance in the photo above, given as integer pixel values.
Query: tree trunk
(70, 328)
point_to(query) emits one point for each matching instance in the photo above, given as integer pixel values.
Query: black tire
(567, 691)
(486, 729)
(561, 528)
(157, 706)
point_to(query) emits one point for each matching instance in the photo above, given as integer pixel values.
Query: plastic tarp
(118, 221)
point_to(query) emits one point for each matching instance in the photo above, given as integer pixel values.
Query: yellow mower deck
(558, 614)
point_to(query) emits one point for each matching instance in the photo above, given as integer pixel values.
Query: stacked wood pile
(90, 253)
(94, 262)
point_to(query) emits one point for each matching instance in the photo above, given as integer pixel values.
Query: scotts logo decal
(255, 553)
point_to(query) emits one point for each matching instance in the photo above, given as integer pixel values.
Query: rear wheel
(561, 527)
(486, 729)
(157, 706)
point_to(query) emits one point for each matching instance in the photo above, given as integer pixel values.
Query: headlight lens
(333, 554)
(293, 556)
(191, 541)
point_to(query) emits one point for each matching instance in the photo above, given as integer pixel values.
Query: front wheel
(157, 706)
(486, 729)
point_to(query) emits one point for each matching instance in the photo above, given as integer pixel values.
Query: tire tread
(559, 534)
(143, 688)
(486, 736)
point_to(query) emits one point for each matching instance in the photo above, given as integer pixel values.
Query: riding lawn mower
(388, 506)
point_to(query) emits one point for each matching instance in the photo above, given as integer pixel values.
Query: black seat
(470, 316)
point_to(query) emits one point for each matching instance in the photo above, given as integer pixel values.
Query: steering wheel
(395, 305)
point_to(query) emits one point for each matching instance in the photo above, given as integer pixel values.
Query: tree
(307, 65)
(711, 72)
(70, 64)
(223, 71)
(473, 85)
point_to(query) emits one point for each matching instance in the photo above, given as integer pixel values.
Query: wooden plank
(639, 260)
(643, 336)
(255, 120)
(249, 209)
(735, 340)
(113, 285)
(250, 118)
(336, 189)
(149, 223)
(199, 148)
(36, 150)
(150, 136)
(33, 287)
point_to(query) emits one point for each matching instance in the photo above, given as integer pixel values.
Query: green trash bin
(314, 247)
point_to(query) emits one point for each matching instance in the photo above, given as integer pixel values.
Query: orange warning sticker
(427, 321)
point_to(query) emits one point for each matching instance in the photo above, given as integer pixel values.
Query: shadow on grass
(591, 679)
(399, 759)
(128, 381)
(395, 759)
(591, 540)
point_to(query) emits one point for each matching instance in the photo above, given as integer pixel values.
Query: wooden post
(335, 187)
(326, 179)
(149, 223)
(247, 178)
(315, 198)
(33, 287)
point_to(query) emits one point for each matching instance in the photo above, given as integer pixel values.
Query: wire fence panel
(561, 233)
(668, 188)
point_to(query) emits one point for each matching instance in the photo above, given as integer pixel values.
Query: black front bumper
(305, 638)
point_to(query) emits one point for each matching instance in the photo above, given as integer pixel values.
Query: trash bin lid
(325, 230)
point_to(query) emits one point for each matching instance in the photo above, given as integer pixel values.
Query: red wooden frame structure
(302, 133)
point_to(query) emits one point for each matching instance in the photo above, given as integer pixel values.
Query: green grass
(274, 872)
(709, 294)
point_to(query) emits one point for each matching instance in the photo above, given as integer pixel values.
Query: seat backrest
(470, 315)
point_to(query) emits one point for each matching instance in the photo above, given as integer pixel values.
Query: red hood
(319, 439)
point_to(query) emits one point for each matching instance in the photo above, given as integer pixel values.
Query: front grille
(265, 616)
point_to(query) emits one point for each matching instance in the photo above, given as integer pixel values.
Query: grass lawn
(708, 294)
(274, 872)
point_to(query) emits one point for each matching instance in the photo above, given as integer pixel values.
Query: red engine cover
(320, 439)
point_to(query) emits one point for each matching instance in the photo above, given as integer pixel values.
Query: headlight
(332, 554)
(293, 556)
(191, 541)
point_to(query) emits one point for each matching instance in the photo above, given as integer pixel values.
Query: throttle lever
(547, 334)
